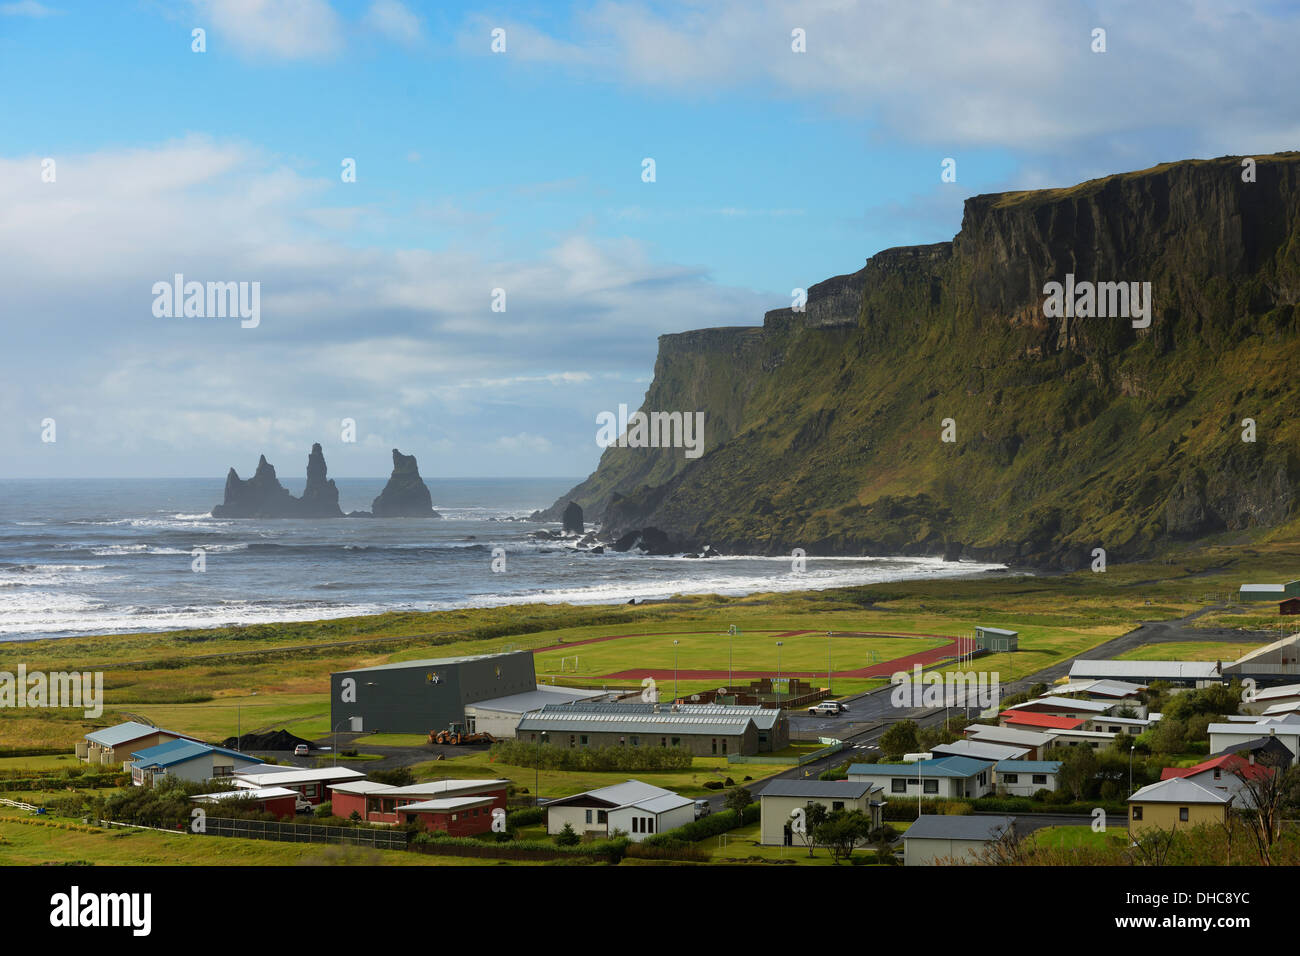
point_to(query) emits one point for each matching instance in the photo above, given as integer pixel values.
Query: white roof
(360, 786)
(1265, 588)
(1284, 690)
(981, 751)
(291, 775)
(1170, 670)
(444, 786)
(669, 801)
(1286, 707)
(1131, 721)
(532, 700)
(445, 804)
(1064, 703)
(633, 793)
(1014, 735)
(258, 793)
(1177, 790)
(1264, 727)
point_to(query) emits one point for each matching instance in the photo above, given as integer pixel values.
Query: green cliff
(823, 428)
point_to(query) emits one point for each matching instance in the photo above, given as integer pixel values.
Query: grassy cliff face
(824, 431)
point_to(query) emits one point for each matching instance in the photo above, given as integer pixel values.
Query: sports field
(701, 660)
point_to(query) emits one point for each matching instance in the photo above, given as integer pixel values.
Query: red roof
(1228, 762)
(1041, 720)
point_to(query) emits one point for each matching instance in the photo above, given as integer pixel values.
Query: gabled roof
(181, 751)
(1158, 670)
(447, 804)
(939, 767)
(1227, 763)
(943, 826)
(634, 717)
(619, 795)
(261, 793)
(125, 733)
(1282, 690)
(980, 751)
(826, 789)
(284, 777)
(1011, 735)
(1063, 703)
(1255, 745)
(1177, 790)
(1264, 588)
(429, 662)
(1032, 719)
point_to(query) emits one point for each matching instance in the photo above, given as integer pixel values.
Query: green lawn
(1073, 838)
(1190, 651)
(563, 783)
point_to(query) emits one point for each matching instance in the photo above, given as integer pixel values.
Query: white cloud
(286, 29)
(395, 20)
(1013, 73)
(27, 8)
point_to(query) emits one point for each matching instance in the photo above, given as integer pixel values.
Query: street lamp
(1131, 748)
(779, 645)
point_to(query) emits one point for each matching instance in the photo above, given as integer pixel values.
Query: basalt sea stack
(405, 495)
(262, 496)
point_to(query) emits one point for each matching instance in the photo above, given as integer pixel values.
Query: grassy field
(1190, 651)
(1074, 838)
(31, 842)
(562, 783)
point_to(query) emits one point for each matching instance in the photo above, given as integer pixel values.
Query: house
(1036, 742)
(1028, 720)
(1119, 725)
(278, 800)
(186, 760)
(1024, 778)
(782, 797)
(1096, 739)
(937, 839)
(1104, 689)
(454, 816)
(979, 750)
(1065, 707)
(1266, 697)
(1266, 750)
(1229, 736)
(996, 640)
(500, 716)
(383, 803)
(941, 777)
(310, 783)
(1248, 593)
(1224, 774)
(703, 729)
(1270, 663)
(113, 745)
(638, 809)
(1181, 673)
(1175, 804)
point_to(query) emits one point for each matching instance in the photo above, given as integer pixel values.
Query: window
(663, 741)
(309, 790)
(1040, 778)
(898, 785)
(1182, 814)
(677, 741)
(983, 776)
(1011, 778)
(1137, 813)
(572, 740)
(932, 786)
(650, 824)
(636, 741)
(724, 745)
(583, 740)
(602, 816)
(1217, 773)
(588, 816)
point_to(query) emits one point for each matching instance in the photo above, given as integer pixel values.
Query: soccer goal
(569, 664)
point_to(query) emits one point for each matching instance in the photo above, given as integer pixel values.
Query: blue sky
(519, 170)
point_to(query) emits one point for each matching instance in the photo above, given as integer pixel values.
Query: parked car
(303, 806)
(828, 708)
(300, 750)
(702, 808)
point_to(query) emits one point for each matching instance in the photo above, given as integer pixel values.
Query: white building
(1228, 735)
(1024, 778)
(500, 716)
(939, 839)
(638, 809)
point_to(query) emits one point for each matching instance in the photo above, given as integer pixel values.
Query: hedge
(519, 753)
(611, 850)
(707, 826)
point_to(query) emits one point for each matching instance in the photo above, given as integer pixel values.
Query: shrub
(568, 836)
(519, 753)
(712, 825)
(325, 809)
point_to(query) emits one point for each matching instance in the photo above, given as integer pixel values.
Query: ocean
(100, 556)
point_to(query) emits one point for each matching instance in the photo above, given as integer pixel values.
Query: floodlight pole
(779, 645)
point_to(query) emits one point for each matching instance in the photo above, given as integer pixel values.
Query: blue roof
(1029, 766)
(121, 733)
(180, 751)
(954, 766)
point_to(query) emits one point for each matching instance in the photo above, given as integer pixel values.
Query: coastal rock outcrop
(261, 496)
(573, 518)
(320, 496)
(405, 495)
